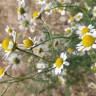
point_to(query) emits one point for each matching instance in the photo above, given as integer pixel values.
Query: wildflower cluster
(67, 53)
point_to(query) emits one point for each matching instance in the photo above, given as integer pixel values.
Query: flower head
(59, 62)
(9, 29)
(71, 19)
(87, 42)
(82, 30)
(21, 10)
(78, 16)
(7, 44)
(70, 50)
(35, 14)
(28, 42)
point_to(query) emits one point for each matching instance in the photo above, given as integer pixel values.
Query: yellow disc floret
(28, 43)
(71, 19)
(88, 40)
(35, 14)
(59, 62)
(68, 30)
(9, 30)
(70, 50)
(85, 30)
(7, 44)
(2, 70)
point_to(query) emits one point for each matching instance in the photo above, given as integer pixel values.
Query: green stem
(33, 77)
(31, 53)
(53, 38)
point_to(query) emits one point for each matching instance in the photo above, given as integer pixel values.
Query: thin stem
(19, 79)
(53, 38)
(9, 75)
(31, 53)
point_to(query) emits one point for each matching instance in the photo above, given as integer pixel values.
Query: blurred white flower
(40, 66)
(41, 2)
(8, 44)
(14, 58)
(21, 3)
(78, 16)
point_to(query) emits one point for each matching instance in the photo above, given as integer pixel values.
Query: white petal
(66, 63)
(14, 36)
(90, 26)
(94, 46)
(80, 44)
(57, 71)
(63, 56)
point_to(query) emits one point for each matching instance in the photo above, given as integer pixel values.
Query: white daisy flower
(22, 15)
(60, 61)
(8, 44)
(78, 16)
(82, 30)
(8, 29)
(87, 42)
(21, 10)
(68, 30)
(16, 64)
(14, 58)
(29, 42)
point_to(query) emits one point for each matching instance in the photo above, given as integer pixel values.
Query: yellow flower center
(35, 14)
(28, 43)
(2, 70)
(71, 19)
(70, 50)
(59, 62)
(7, 44)
(9, 30)
(21, 10)
(88, 40)
(68, 30)
(78, 17)
(85, 30)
